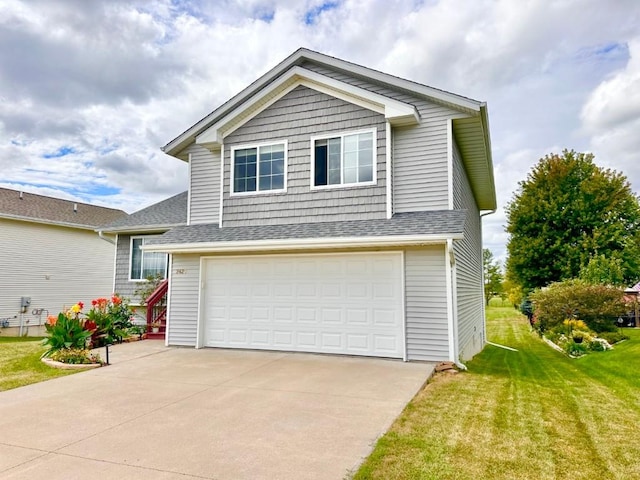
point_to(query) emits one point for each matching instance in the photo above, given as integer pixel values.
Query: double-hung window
(344, 160)
(144, 264)
(260, 168)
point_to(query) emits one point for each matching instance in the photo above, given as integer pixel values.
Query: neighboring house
(336, 209)
(51, 255)
(132, 265)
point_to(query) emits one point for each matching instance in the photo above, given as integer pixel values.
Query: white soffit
(397, 113)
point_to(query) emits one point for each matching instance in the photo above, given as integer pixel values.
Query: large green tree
(567, 211)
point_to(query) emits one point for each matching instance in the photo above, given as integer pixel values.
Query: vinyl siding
(183, 300)
(123, 286)
(468, 253)
(296, 117)
(78, 264)
(420, 172)
(426, 304)
(205, 185)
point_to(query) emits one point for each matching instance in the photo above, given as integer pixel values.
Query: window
(259, 169)
(347, 159)
(144, 264)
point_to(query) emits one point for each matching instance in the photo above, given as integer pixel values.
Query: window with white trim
(144, 264)
(344, 160)
(260, 168)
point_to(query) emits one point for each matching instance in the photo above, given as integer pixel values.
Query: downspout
(484, 308)
(454, 304)
(106, 239)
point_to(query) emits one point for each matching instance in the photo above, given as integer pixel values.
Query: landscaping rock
(446, 366)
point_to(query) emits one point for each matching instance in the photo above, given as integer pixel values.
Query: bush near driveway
(534, 414)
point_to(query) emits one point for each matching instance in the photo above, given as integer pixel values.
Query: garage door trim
(200, 333)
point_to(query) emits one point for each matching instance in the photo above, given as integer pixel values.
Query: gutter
(300, 244)
(106, 239)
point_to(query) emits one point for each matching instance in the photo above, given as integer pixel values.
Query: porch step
(155, 336)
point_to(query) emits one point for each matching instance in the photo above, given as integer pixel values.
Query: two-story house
(333, 208)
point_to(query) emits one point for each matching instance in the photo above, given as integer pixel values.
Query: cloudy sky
(90, 90)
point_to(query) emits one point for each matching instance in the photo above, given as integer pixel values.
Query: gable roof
(158, 217)
(17, 205)
(415, 228)
(471, 133)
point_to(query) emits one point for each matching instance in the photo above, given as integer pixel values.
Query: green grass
(20, 363)
(530, 414)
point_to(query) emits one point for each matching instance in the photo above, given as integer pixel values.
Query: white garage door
(338, 303)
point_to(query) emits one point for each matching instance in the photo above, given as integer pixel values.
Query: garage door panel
(342, 303)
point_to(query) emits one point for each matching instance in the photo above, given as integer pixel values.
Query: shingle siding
(205, 185)
(468, 253)
(296, 117)
(426, 304)
(420, 168)
(183, 302)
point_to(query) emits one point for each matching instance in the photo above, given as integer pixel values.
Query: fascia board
(390, 108)
(21, 218)
(440, 95)
(303, 244)
(140, 229)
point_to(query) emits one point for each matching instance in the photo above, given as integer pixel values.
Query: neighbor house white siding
(55, 266)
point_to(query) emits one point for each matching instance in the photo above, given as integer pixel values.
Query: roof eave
(21, 218)
(303, 244)
(175, 146)
(140, 229)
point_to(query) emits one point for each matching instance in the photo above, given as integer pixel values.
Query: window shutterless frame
(258, 168)
(139, 258)
(344, 158)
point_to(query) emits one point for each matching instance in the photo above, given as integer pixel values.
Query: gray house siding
(420, 171)
(468, 253)
(204, 189)
(296, 117)
(123, 286)
(426, 304)
(183, 300)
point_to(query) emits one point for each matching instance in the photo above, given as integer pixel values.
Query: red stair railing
(157, 310)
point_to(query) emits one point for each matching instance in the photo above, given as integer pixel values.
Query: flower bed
(71, 334)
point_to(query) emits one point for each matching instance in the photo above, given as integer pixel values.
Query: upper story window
(144, 264)
(260, 168)
(346, 159)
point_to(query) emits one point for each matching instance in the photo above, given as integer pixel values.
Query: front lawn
(20, 363)
(531, 414)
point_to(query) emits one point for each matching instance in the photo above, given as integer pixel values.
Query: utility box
(25, 303)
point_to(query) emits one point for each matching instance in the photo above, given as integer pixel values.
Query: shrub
(111, 317)
(576, 349)
(599, 345)
(597, 305)
(613, 337)
(75, 356)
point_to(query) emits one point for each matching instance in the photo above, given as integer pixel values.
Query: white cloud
(116, 80)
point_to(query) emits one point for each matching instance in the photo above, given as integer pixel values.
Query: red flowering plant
(112, 317)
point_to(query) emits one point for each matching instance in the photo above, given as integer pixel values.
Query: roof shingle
(42, 209)
(432, 223)
(162, 216)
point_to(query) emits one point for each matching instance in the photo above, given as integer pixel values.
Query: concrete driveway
(177, 413)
